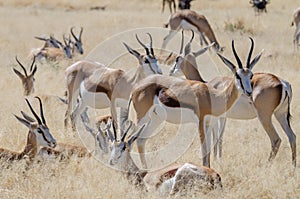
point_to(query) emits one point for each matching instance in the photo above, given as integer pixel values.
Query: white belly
(242, 110)
(187, 26)
(94, 99)
(175, 115)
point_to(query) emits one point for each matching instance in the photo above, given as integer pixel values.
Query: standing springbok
(103, 87)
(38, 135)
(169, 180)
(27, 80)
(190, 20)
(178, 101)
(296, 21)
(266, 88)
(170, 3)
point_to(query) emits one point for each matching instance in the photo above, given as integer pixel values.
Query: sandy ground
(244, 168)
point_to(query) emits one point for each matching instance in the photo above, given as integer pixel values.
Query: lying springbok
(190, 20)
(77, 45)
(169, 180)
(27, 80)
(296, 21)
(53, 54)
(178, 101)
(103, 87)
(38, 135)
(266, 88)
(259, 5)
(50, 42)
(170, 3)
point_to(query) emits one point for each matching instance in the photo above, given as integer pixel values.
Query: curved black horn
(32, 63)
(182, 41)
(151, 48)
(73, 33)
(21, 66)
(236, 56)
(250, 52)
(79, 37)
(35, 115)
(193, 34)
(144, 46)
(41, 110)
(124, 134)
(65, 40)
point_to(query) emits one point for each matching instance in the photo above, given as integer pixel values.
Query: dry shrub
(238, 26)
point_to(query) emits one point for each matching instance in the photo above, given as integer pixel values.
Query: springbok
(169, 180)
(38, 135)
(50, 42)
(266, 88)
(296, 21)
(103, 87)
(259, 5)
(190, 20)
(178, 101)
(170, 3)
(53, 54)
(27, 80)
(77, 45)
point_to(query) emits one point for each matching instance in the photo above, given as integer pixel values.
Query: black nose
(248, 93)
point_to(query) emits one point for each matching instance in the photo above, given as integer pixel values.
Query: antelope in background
(169, 180)
(27, 80)
(296, 21)
(77, 44)
(184, 4)
(190, 20)
(266, 88)
(259, 5)
(38, 136)
(102, 87)
(159, 98)
(50, 42)
(170, 3)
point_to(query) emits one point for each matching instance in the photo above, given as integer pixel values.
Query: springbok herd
(156, 97)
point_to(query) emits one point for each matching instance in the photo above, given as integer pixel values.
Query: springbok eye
(39, 131)
(147, 61)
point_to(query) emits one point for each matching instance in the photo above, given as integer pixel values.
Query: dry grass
(244, 168)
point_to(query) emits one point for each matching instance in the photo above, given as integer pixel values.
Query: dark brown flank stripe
(169, 101)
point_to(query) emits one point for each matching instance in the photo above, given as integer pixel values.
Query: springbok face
(78, 42)
(186, 56)
(184, 4)
(38, 126)
(148, 62)
(119, 147)
(243, 75)
(27, 80)
(50, 42)
(67, 47)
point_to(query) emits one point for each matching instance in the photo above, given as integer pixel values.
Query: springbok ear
(27, 117)
(18, 73)
(228, 63)
(131, 51)
(134, 136)
(255, 60)
(26, 123)
(203, 50)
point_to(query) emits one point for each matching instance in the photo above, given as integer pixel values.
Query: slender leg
(167, 38)
(205, 152)
(221, 129)
(77, 111)
(282, 117)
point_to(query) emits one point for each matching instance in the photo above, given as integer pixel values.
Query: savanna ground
(244, 168)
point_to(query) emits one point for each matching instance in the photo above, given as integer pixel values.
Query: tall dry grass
(244, 168)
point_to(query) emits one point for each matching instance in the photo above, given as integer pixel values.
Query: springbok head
(184, 4)
(78, 41)
(120, 147)
(38, 126)
(186, 56)
(148, 61)
(27, 79)
(243, 75)
(50, 42)
(67, 47)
